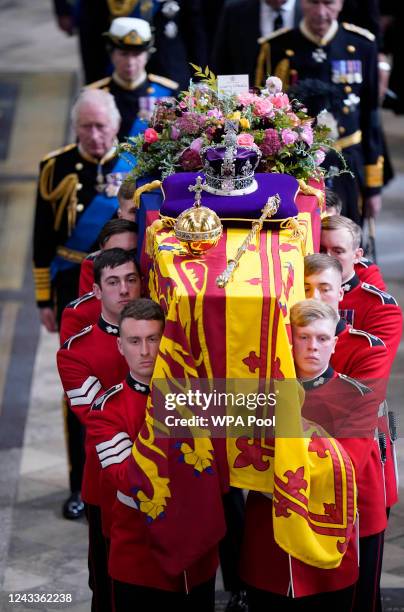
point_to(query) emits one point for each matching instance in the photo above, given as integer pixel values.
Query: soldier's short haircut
(332, 200)
(112, 258)
(99, 98)
(305, 312)
(127, 190)
(116, 226)
(338, 222)
(318, 262)
(143, 309)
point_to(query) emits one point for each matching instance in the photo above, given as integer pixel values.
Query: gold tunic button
(347, 89)
(80, 207)
(79, 186)
(289, 52)
(346, 110)
(341, 129)
(351, 49)
(79, 166)
(150, 90)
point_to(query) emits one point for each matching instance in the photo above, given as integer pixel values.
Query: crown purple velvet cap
(178, 198)
(238, 174)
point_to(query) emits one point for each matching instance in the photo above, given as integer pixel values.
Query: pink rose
(247, 98)
(150, 135)
(288, 136)
(306, 134)
(246, 140)
(319, 157)
(263, 107)
(280, 100)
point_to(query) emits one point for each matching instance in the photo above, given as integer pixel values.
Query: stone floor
(39, 551)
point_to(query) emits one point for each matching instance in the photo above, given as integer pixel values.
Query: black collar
(341, 326)
(351, 283)
(108, 328)
(313, 383)
(136, 385)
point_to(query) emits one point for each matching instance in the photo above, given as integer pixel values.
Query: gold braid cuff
(144, 189)
(308, 190)
(70, 254)
(66, 192)
(348, 141)
(151, 231)
(42, 282)
(374, 173)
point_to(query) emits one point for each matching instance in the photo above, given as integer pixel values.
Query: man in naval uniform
(130, 42)
(178, 27)
(73, 204)
(344, 57)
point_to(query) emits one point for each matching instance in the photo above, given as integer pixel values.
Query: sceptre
(270, 209)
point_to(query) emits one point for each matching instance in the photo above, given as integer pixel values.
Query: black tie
(278, 21)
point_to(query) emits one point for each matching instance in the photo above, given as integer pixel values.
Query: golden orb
(199, 229)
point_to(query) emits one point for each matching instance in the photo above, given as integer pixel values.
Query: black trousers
(230, 546)
(134, 598)
(334, 601)
(98, 581)
(66, 289)
(367, 591)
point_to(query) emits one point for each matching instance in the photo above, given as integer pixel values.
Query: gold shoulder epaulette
(155, 78)
(59, 151)
(273, 35)
(98, 84)
(351, 27)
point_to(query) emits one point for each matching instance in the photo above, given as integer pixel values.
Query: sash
(138, 126)
(100, 210)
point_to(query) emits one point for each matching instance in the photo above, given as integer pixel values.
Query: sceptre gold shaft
(270, 208)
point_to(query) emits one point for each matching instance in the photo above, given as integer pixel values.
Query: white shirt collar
(267, 16)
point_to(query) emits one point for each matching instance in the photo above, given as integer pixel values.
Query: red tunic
(86, 280)
(79, 314)
(89, 363)
(365, 357)
(368, 308)
(264, 565)
(369, 272)
(115, 421)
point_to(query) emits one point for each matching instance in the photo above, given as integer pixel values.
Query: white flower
(327, 119)
(273, 85)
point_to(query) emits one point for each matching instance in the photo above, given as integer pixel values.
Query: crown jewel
(229, 168)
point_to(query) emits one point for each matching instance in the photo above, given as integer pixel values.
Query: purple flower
(196, 145)
(288, 136)
(215, 112)
(175, 133)
(271, 143)
(190, 123)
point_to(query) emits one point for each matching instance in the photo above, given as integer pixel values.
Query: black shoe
(73, 508)
(237, 602)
